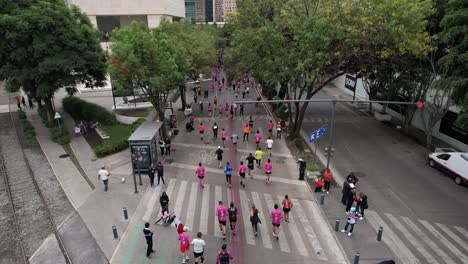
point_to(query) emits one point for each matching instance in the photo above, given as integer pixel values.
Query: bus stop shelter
(143, 145)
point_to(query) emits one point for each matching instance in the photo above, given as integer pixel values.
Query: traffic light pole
(330, 138)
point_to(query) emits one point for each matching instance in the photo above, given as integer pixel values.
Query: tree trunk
(50, 110)
(429, 139)
(300, 120)
(182, 96)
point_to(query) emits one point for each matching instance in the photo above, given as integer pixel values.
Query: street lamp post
(330, 139)
(106, 37)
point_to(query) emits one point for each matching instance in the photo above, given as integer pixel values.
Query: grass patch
(135, 112)
(119, 135)
(78, 166)
(59, 134)
(27, 128)
(313, 167)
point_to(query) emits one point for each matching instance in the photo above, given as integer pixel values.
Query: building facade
(210, 11)
(230, 7)
(109, 14)
(190, 11)
(219, 10)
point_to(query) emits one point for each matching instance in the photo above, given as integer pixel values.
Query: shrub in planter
(59, 135)
(299, 143)
(82, 110)
(281, 112)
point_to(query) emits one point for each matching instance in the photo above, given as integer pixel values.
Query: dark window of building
(208, 10)
(449, 128)
(107, 23)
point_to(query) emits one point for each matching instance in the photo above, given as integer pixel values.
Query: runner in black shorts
(219, 155)
(250, 163)
(232, 212)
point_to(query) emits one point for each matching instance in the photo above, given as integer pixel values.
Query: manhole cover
(64, 156)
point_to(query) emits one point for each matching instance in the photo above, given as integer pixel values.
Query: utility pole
(330, 137)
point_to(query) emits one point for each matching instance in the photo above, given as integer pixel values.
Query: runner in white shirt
(269, 143)
(198, 248)
(103, 175)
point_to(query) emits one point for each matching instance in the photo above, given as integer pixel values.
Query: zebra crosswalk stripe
(462, 231)
(283, 243)
(447, 243)
(244, 202)
(391, 239)
(411, 239)
(456, 238)
(192, 205)
(205, 209)
(313, 239)
(180, 198)
(218, 197)
(152, 203)
(428, 241)
(297, 238)
(265, 234)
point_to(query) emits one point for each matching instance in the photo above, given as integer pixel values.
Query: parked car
(452, 164)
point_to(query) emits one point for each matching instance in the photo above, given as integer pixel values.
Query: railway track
(25, 218)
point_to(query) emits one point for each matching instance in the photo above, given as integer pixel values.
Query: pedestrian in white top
(198, 248)
(103, 175)
(269, 143)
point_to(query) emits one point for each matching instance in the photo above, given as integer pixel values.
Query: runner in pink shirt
(223, 136)
(212, 85)
(221, 212)
(220, 110)
(242, 170)
(210, 109)
(276, 217)
(201, 128)
(220, 86)
(268, 167)
(184, 239)
(270, 125)
(258, 137)
(200, 172)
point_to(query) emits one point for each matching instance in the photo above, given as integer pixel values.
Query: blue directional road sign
(318, 133)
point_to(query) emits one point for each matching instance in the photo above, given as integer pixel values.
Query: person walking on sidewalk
(250, 164)
(162, 146)
(258, 137)
(200, 172)
(254, 219)
(246, 132)
(151, 172)
(287, 205)
(234, 139)
(318, 184)
(223, 136)
(352, 217)
(327, 176)
(251, 123)
(184, 239)
(351, 178)
(269, 143)
(276, 216)
(270, 126)
(23, 102)
(198, 245)
(350, 198)
(221, 213)
(228, 172)
(215, 131)
(278, 130)
(232, 212)
(224, 256)
(164, 202)
(219, 156)
(258, 157)
(268, 167)
(160, 171)
(241, 109)
(201, 128)
(362, 205)
(103, 175)
(30, 102)
(344, 192)
(149, 240)
(242, 170)
(168, 146)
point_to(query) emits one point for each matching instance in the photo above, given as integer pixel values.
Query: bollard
(114, 230)
(379, 235)
(356, 258)
(125, 213)
(134, 182)
(322, 198)
(337, 225)
(139, 174)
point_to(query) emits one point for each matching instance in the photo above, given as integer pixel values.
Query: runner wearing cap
(184, 239)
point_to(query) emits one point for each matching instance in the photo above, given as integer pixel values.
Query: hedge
(82, 110)
(28, 130)
(118, 136)
(58, 135)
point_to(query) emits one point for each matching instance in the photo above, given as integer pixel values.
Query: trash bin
(302, 168)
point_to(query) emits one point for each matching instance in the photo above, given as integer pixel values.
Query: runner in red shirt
(201, 128)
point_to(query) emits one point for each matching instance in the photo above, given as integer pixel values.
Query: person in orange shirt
(246, 132)
(327, 176)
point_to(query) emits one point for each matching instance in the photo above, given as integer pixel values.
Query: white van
(452, 164)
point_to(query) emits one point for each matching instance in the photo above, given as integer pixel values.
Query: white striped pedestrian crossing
(264, 232)
(192, 205)
(391, 239)
(245, 207)
(445, 241)
(462, 231)
(218, 197)
(282, 236)
(296, 235)
(205, 209)
(180, 198)
(428, 241)
(414, 241)
(152, 202)
(313, 239)
(463, 244)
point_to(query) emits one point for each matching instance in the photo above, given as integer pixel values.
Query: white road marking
(462, 231)
(245, 207)
(414, 241)
(205, 209)
(283, 242)
(457, 239)
(447, 243)
(391, 239)
(218, 197)
(313, 239)
(152, 203)
(265, 233)
(192, 205)
(180, 198)
(428, 241)
(195, 146)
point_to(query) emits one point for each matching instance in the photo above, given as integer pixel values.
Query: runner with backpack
(224, 256)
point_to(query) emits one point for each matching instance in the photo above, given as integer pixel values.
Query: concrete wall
(174, 8)
(418, 120)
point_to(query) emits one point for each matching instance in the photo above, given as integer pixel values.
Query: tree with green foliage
(46, 45)
(149, 61)
(198, 43)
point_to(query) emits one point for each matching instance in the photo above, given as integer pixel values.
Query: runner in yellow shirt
(259, 156)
